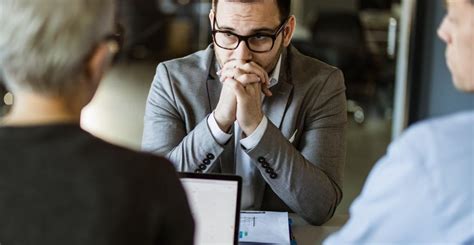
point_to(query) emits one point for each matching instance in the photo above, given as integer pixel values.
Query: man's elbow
(320, 215)
(323, 211)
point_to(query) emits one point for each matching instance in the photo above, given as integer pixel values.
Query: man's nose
(242, 52)
(443, 33)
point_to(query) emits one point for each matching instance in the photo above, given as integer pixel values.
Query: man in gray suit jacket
(205, 112)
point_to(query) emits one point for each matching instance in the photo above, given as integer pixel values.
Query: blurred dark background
(349, 34)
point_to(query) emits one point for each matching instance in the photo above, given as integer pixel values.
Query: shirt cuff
(252, 140)
(220, 136)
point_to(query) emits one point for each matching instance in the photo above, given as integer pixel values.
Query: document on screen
(264, 227)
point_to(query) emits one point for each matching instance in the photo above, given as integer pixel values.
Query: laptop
(215, 205)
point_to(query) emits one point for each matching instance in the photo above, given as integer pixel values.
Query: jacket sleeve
(308, 178)
(166, 134)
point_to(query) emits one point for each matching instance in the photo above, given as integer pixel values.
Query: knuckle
(246, 78)
(247, 65)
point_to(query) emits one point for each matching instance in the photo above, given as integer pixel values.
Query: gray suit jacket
(308, 105)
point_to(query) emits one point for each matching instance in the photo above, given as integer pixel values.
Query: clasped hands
(240, 98)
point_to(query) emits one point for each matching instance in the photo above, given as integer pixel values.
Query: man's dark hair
(284, 6)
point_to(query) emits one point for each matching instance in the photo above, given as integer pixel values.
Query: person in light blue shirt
(422, 191)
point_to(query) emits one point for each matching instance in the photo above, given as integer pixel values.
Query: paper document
(264, 227)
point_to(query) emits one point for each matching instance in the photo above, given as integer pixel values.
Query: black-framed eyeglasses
(258, 43)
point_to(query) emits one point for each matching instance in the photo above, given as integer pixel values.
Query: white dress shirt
(253, 183)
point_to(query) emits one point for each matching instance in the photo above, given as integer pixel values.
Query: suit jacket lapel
(275, 106)
(214, 86)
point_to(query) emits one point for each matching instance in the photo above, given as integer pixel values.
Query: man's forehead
(248, 9)
(244, 1)
(248, 2)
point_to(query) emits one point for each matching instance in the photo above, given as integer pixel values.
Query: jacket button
(273, 175)
(269, 170)
(265, 165)
(202, 167)
(206, 161)
(210, 156)
(198, 171)
(261, 160)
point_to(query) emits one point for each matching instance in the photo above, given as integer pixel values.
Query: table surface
(307, 234)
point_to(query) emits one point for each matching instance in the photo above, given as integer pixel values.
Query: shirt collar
(276, 73)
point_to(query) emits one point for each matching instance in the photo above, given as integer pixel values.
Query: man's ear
(97, 63)
(289, 31)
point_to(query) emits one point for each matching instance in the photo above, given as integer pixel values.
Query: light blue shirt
(421, 192)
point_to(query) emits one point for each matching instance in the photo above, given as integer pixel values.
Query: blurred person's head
(261, 19)
(457, 31)
(55, 49)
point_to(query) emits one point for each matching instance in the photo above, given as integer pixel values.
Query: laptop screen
(215, 205)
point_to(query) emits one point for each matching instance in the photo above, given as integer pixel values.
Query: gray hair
(44, 43)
